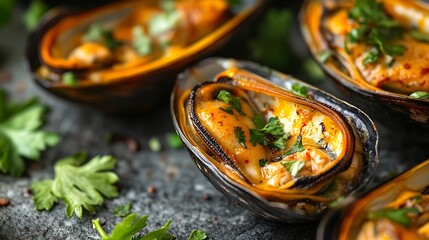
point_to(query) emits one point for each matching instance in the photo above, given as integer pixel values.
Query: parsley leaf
(239, 134)
(141, 42)
(130, 226)
(173, 140)
(263, 162)
(80, 185)
(420, 95)
(299, 90)
(293, 166)
(20, 135)
(296, 147)
(274, 127)
(96, 33)
(234, 102)
(376, 29)
(124, 230)
(197, 235)
(165, 21)
(69, 79)
(258, 120)
(34, 12)
(122, 210)
(397, 215)
(271, 133)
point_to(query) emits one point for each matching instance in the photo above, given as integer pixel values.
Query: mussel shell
(272, 209)
(394, 110)
(145, 90)
(346, 219)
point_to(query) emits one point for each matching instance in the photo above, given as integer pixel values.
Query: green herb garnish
(376, 29)
(337, 202)
(258, 120)
(141, 42)
(154, 144)
(296, 147)
(34, 13)
(173, 140)
(20, 134)
(324, 56)
(420, 95)
(165, 21)
(69, 79)
(419, 36)
(271, 133)
(122, 210)
(234, 102)
(97, 34)
(293, 166)
(197, 235)
(239, 134)
(299, 90)
(263, 162)
(396, 215)
(80, 185)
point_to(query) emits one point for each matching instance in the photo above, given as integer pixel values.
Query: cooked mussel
(398, 209)
(280, 155)
(376, 52)
(124, 56)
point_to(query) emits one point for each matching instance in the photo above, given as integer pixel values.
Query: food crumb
(4, 202)
(207, 197)
(152, 189)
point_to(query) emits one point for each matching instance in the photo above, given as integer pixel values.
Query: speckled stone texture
(183, 194)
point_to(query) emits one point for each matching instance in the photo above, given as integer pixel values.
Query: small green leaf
(141, 42)
(296, 147)
(159, 234)
(419, 36)
(239, 134)
(397, 215)
(371, 56)
(293, 166)
(299, 90)
(34, 13)
(258, 120)
(274, 127)
(234, 102)
(43, 197)
(125, 230)
(97, 34)
(122, 210)
(420, 95)
(173, 140)
(263, 162)
(69, 79)
(197, 235)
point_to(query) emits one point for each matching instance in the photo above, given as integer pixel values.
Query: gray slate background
(183, 194)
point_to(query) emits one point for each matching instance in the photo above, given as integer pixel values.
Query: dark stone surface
(183, 194)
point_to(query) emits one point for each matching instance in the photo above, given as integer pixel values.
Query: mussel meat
(399, 209)
(277, 145)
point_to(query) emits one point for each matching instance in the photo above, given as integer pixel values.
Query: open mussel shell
(145, 82)
(390, 104)
(352, 149)
(351, 218)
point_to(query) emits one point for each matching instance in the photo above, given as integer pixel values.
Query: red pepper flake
(407, 66)
(220, 123)
(4, 202)
(246, 161)
(307, 155)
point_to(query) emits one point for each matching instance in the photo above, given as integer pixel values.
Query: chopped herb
(293, 166)
(258, 120)
(141, 42)
(80, 185)
(296, 147)
(165, 21)
(376, 29)
(197, 235)
(69, 79)
(20, 134)
(396, 215)
(122, 210)
(271, 134)
(234, 102)
(97, 34)
(420, 95)
(263, 162)
(154, 144)
(419, 36)
(239, 134)
(337, 202)
(227, 110)
(299, 90)
(173, 140)
(324, 56)
(34, 13)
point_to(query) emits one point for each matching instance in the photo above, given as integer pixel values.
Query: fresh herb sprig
(420, 95)
(80, 185)
(400, 216)
(270, 134)
(234, 102)
(293, 166)
(96, 33)
(376, 29)
(20, 134)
